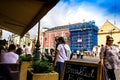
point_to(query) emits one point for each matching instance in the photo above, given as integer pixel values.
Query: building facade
(83, 36)
(111, 30)
(41, 38)
(50, 34)
(15, 39)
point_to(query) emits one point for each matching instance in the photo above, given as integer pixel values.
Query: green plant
(42, 67)
(25, 58)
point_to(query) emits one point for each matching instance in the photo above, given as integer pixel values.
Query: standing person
(19, 50)
(63, 53)
(23, 50)
(28, 50)
(82, 53)
(10, 56)
(109, 58)
(78, 54)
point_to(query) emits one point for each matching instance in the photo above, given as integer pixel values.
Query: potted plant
(25, 58)
(41, 70)
(42, 67)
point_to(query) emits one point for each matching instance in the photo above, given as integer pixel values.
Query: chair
(9, 71)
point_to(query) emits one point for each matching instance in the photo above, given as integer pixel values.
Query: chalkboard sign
(81, 71)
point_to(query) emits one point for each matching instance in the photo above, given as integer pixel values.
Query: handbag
(108, 65)
(66, 52)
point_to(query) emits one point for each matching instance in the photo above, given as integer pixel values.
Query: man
(28, 50)
(10, 56)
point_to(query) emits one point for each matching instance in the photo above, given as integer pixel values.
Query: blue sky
(74, 11)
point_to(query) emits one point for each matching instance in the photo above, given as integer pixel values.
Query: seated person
(10, 56)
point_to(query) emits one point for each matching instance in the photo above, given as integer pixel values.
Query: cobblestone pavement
(96, 60)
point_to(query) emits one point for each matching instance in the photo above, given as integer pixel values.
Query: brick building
(50, 34)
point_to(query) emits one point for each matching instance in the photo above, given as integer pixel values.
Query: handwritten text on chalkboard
(80, 72)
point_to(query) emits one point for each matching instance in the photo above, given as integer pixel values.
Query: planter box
(41, 76)
(23, 71)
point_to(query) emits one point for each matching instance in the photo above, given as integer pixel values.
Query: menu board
(81, 71)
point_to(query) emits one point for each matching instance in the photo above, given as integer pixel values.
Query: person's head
(12, 47)
(28, 44)
(109, 40)
(24, 46)
(102, 45)
(61, 40)
(17, 45)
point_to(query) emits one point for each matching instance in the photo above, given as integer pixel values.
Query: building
(50, 34)
(108, 29)
(16, 39)
(41, 38)
(83, 36)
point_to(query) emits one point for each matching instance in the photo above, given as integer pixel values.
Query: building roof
(84, 26)
(58, 27)
(74, 25)
(20, 16)
(108, 27)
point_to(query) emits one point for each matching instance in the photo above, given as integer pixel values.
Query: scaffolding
(83, 36)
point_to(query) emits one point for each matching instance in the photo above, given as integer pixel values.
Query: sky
(67, 12)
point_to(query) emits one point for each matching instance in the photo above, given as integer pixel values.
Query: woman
(63, 53)
(109, 58)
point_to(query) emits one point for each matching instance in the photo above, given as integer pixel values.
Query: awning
(19, 16)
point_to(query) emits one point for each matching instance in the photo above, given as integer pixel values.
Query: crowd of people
(57, 56)
(11, 55)
(109, 56)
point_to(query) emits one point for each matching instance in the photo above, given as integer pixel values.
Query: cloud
(74, 11)
(64, 14)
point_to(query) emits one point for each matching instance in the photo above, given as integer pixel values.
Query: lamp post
(37, 45)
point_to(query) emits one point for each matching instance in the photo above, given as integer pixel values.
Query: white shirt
(63, 55)
(28, 50)
(111, 59)
(78, 52)
(9, 57)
